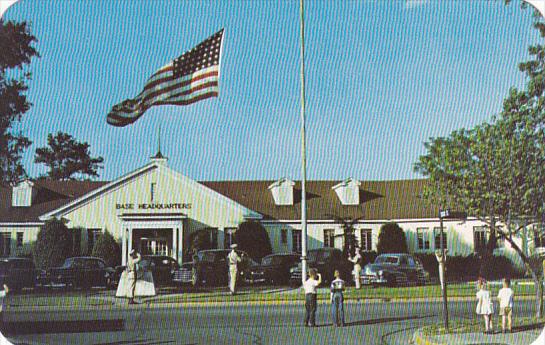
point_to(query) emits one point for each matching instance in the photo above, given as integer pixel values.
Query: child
(485, 306)
(337, 299)
(506, 304)
(310, 286)
(2, 296)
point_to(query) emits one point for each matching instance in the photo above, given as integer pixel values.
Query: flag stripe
(151, 97)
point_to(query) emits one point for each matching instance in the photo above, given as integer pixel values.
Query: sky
(382, 77)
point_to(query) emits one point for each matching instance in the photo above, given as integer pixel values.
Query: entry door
(154, 246)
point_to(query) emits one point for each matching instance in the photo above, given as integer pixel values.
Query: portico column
(129, 244)
(175, 242)
(123, 245)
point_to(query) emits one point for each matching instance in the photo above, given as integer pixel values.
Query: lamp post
(442, 259)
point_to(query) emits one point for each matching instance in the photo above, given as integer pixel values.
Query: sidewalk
(516, 338)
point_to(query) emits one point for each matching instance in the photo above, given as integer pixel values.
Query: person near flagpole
(356, 260)
(233, 259)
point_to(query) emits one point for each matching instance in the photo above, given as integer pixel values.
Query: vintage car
(79, 272)
(394, 270)
(210, 267)
(18, 273)
(325, 261)
(184, 275)
(274, 268)
(162, 268)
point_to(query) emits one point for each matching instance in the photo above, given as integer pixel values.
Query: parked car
(394, 270)
(162, 268)
(326, 261)
(274, 268)
(79, 272)
(211, 268)
(18, 273)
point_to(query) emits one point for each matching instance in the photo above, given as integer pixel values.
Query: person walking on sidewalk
(356, 260)
(310, 286)
(3, 295)
(485, 306)
(233, 259)
(505, 296)
(132, 273)
(337, 299)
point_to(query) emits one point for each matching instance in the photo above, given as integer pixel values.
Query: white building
(155, 209)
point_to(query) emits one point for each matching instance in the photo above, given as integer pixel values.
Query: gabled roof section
(83, 199)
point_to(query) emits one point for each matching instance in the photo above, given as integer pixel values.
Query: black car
(326, 261)
(210, 267)
(162, 268)
(274, 268)
(394, 270)
(184, 275)
(17, 273)
(79, 272)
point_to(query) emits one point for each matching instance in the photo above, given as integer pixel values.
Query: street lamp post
(442, 259)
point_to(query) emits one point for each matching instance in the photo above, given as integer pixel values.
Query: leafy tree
(252, 238)
(107, 248)
(391, 239)
(199, 240)
(67, 159)
(348, 235)
(16, 45)
(53, 245)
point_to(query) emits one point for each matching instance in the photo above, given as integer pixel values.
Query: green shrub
(368, 257)
(107, 248)
(53, 244)
(391, 239)
(252, 238)
(497, 267)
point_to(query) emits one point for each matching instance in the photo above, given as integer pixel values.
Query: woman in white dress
(136, 280)
(485, 306)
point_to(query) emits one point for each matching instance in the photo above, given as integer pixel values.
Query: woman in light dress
(136, 280)
(485, 306)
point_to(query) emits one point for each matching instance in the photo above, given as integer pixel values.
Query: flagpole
(303, 152)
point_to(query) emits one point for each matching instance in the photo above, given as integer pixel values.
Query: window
(5, 244)
(539, 236)
(423, 239)
(479, 239)
(229, 237)
(296, 241)
(366, 236)
(92, 236)
(329, 237)
(437, 238)
(284, 236)
(19, 239)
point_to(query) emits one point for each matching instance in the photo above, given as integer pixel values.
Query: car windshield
(272, 260)
(387, 260)
(207, 256)
(68, 263)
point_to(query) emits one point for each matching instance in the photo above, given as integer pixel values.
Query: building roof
(49, 195)
(379, 200)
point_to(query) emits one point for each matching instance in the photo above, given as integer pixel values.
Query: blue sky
(382, 78)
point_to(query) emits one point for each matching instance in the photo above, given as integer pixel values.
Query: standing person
(337, 299)
(310, 286)
(3, 294)
(356, 260)
(233, 258)
(132, 273)
(505, 295)
(485, 306)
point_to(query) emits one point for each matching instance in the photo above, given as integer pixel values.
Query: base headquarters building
(154, 209)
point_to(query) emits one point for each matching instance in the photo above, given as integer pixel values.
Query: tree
(252, 238)
(391, 239)
(67, 159)
(348, 235)
(53, 245)
(107, 248)
(199, 240)
(16, 45)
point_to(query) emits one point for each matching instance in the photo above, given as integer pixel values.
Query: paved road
(370, 323)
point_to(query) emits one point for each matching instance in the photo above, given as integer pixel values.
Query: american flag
(187, 79)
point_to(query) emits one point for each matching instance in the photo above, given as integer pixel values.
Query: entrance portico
(152, 233)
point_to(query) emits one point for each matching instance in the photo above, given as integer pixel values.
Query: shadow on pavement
(38, 327)
(386, 320)
(140, 342)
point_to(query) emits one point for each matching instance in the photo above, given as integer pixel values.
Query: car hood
(380, 267)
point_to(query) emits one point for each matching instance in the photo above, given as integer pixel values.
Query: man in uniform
(356, 260)
(233, 259)
(132, 272)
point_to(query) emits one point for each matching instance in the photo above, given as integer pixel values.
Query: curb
(420, 339)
